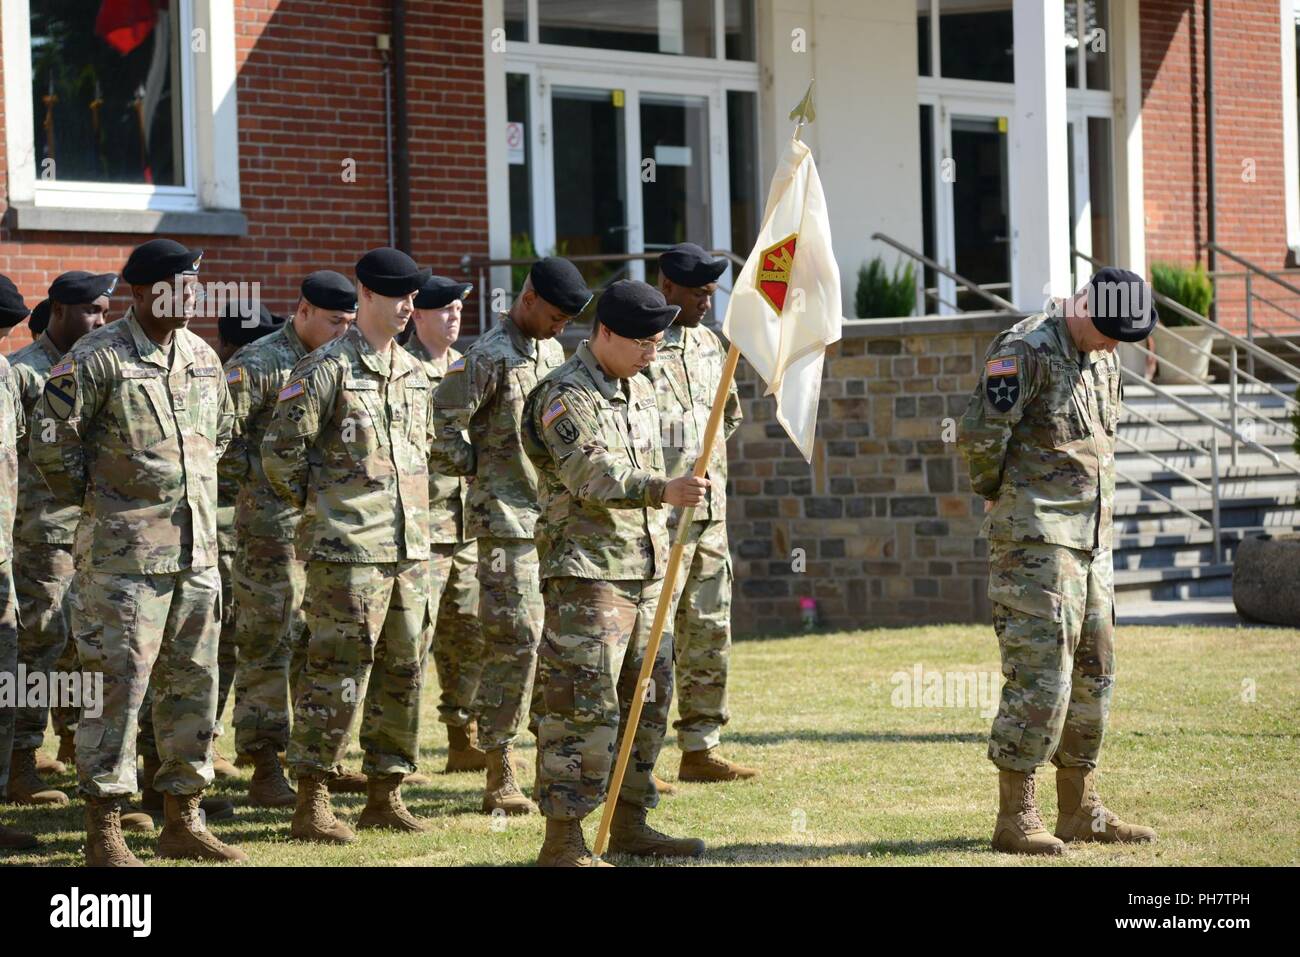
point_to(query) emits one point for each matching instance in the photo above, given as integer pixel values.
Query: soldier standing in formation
(12, 428)
(454, 635)
(1039, 436)
(138, 415)
(268, 578)
(594, 435)
(686, 374)
(483, 395)
(45, 529)
(349, 441)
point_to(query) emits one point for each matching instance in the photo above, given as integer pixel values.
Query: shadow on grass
(795, 853)
(867, 737)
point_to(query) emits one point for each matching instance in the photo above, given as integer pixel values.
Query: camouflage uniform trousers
(226, 653)
(1054, 613)
(701, 624)
(592, 649)
(362, 617)
(42, 580)
(510, 617)
(8, 663)
(156, 634)
(269, 583)
(455, 637)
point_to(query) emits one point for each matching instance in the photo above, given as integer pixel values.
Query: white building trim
(1289, 15)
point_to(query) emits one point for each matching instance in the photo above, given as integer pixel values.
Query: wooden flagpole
(803, 113)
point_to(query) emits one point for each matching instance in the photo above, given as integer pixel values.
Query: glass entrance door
(981, 234)
(675, 174)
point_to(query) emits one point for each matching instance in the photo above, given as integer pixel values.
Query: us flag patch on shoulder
(235, 375)
(457, 366)
(63, 368)
(1006, 365)
(292, 391)
(553, 412)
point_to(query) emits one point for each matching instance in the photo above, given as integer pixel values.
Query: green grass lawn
(851, 778)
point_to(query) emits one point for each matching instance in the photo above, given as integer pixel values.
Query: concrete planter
(1182, 354)
(1266, 579)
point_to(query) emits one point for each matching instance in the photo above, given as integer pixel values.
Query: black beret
(239, 324)
(558, 282)
(327, 289)
(40, 317)
(634, 309)
(79, 287)
(389, 272)
(12, 308)
(439, 291)
(159, 260)
(1121, 305)
(689, 265)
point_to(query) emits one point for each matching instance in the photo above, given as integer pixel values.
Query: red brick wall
(311, 93)
(1248, 127)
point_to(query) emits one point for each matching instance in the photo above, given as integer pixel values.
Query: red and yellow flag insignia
(774, 271)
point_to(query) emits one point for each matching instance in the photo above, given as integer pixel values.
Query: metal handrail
(1163, 463)
(1251, 267)
(1001, 304)
(1130, 410)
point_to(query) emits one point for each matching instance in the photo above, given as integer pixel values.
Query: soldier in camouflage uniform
(268, 578)
(1039, 437)
(455, 638)
(139, 415)
(483, 394)
(348, 442)
(44, 530)
(593, 433)
(686, 374)
(12, 429)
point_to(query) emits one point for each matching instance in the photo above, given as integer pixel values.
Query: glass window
(516, 15)
(107, 92)
(738, 29)
(519, 159)
(590, 186)
(929, 242)
(1071, 44)
(1096, 44)
(681, 27)
(742, 154)
(1100, 189)
(675, 191)
(923, 37)
(975, 39)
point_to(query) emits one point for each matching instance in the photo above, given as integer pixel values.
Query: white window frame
(210, 116)
(1290, 16)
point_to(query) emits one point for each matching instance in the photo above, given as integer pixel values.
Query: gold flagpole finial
(805, 112)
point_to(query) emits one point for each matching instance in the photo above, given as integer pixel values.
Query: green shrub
(881, 295)
(1192, 288)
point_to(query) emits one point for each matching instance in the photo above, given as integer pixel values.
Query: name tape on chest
(1006, 365)
(292, 390)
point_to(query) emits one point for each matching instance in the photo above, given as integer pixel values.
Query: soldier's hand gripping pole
(664, 604)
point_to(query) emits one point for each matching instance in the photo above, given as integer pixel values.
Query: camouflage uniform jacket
(483, 394)
(41, 517)
(134, 434)
(595, 441)
(12, 428)
(447, 493)
(686, 374)
(349, 444)
(1039, 436)
(255, 375)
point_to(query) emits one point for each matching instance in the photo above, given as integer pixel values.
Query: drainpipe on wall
(401, 150)
(1209, 142)
(382, 44)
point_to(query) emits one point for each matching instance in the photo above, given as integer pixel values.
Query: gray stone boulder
(1266, 579)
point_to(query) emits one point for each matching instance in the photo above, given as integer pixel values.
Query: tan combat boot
(151, 801)
(501, 791)
(384, 807)
(630, 834)
(348, 782)
(463, 752)
(709, 766)
(26, 786)
(565, 846)
(269, 788)
(664, 787)
(12, 839)
(185, 835)
(1082, 817)
(68, 749)
(105, 846)
(313, 818)
(1019, 828)
(48, 765)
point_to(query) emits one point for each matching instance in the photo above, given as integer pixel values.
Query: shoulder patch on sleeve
(235, 376)
(457, 366)
(63, 368)
(1003, 365)
(292, 390)
(553, 412)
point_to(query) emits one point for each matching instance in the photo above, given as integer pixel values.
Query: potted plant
(1189, 347)
(882, 296)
